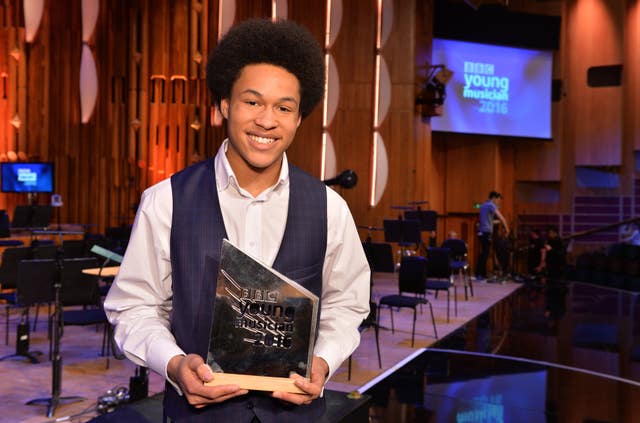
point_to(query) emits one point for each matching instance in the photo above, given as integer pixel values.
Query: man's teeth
(262, 140)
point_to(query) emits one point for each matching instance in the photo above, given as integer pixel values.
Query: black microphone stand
(56, 361)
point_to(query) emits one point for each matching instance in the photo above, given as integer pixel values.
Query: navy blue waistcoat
(197, 231)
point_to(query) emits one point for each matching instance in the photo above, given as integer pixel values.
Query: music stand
(406, 232)
(427, 218)
(56, 361)
(402, 231)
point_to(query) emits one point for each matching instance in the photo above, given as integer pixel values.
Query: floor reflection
(569, 323)
(555, 351)
(456, 386)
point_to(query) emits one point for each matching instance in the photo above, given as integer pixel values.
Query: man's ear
(224, 108)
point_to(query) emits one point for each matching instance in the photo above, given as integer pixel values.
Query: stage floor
(571, 324)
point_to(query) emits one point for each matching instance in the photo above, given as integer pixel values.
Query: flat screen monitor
(495, 90)
(35, 177)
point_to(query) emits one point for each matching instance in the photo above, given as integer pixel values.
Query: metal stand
(56, 362)
(22, 341)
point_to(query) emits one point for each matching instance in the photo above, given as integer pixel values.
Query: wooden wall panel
(631, 74)
(247, 9)
(306, 151)
(594, 38)
(472, 170)
(405, 165)
(352, 129)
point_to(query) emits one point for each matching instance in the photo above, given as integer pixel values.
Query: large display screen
(495, 90)
(27, 177)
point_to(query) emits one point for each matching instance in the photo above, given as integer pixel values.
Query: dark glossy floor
(556, 351)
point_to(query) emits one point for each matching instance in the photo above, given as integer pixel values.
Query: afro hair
(282, 43)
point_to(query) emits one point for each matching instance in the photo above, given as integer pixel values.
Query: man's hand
(190, 373)
(313, 388)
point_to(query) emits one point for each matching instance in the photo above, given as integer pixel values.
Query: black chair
(370, 322)
(80, 289)
(412, 280)
(34, 287)
(9, 278)
(440, 276)
(459, 262)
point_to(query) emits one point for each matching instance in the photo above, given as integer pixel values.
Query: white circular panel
(335, 21)
(88, 84)
(329, 157)
(384, 96)
(226, 17)
(90, 10)
(387, 21)
(382, 169)
(32, 16)
(281, 9)
(333, 90)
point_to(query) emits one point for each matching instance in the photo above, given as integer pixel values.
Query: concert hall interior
(430, 107)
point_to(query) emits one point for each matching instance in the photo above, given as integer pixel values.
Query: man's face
(263, 114)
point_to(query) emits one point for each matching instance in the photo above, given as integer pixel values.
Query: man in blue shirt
(488, 212)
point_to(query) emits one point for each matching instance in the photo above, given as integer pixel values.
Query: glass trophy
(263, 326)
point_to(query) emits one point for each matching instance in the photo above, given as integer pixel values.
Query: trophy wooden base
(256, 383)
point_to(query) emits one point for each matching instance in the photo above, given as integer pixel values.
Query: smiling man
(264, 77)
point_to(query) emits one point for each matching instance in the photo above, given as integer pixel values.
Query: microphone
(346, 179)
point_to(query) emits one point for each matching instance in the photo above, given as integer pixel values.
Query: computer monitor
(29, 177)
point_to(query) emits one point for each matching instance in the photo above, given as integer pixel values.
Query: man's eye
(251, 102)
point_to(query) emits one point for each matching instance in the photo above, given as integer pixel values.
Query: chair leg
(413, 329)
(6, 332)
(35, 319)
(376, 328)
(433, 320)
(349, 369)
(465, 283)
(455, 300)
(448, 301)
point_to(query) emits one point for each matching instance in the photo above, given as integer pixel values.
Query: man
(537, 253)
(264, 77)
(555, 255)
(488, 212)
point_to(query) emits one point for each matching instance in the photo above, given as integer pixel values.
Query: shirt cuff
(331, 359)
(163, 351)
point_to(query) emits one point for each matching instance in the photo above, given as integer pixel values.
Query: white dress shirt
(139, 301)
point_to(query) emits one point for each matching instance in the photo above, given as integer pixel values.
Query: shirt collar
(225, 175)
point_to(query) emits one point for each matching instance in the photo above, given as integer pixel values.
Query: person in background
(555, 253)
(537, 253)
(488, 212)
(264, 77)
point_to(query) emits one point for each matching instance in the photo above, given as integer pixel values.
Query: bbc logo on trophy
(263, 326)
